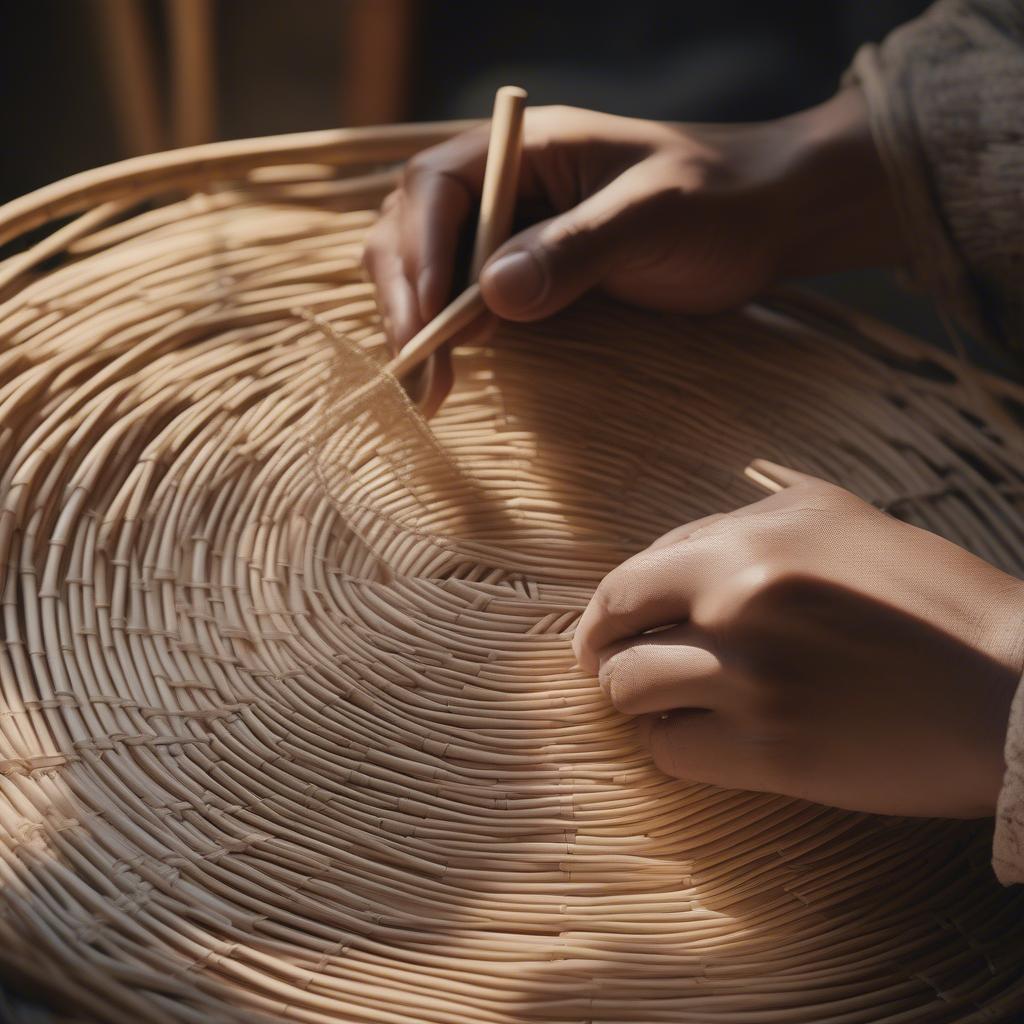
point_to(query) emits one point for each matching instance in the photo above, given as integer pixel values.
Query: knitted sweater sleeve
(945, 95)
(1008, 846)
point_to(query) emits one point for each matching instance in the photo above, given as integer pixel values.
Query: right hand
(687, 218)
(810, 645)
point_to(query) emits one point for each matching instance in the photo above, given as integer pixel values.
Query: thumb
(543, 269)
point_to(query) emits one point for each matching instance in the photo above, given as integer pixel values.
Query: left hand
(694, 218)
(811, 645)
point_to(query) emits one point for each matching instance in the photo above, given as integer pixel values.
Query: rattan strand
(291, 727)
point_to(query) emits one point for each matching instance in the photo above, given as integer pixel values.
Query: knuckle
(756, 582)
(564, 234)
(676, 759)
(444, 159)
(785, 588)
(723, 607)
(760, 590)
(381, 236)
(746, 608)
(374, 237)
(818, 489)
(620, 676)
(547, 127)
(658, 742)
(553, 113)
(369, 255)
(371, 258)
(418, 172)
(768, 705)
(415, 167)
(615, 595)
(668, 761)
(823, 494)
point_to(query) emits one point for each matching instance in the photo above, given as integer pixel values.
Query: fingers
(694, 745)
(653, 588)
(778, 479)
(411, 250)
(674, 668)
(551, 264)
(435, 210)
(660, 585)
(398, 306)
(438, 383)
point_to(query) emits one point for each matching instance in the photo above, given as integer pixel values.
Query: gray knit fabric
(946, 99)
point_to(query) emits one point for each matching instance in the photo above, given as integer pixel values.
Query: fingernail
(518, 278)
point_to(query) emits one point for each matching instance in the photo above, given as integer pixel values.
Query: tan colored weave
(291, 728)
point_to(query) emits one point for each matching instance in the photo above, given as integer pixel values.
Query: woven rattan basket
(291, 728)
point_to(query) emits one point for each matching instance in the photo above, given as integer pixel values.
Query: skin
(688, 218)
(809, 644)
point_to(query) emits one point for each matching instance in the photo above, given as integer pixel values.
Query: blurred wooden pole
(193, 100)
(377, 51)
(131, 68)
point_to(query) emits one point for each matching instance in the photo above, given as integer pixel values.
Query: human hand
(813, 646)
(689, 218)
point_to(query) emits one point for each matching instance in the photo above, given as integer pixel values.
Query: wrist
(836, 200)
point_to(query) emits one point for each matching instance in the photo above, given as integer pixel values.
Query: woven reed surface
(291, 726)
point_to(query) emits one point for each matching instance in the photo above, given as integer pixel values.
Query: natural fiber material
(291, 726)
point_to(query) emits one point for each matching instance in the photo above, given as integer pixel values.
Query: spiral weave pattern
(291, 727)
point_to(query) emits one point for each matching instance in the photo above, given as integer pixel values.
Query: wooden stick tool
(497, 208)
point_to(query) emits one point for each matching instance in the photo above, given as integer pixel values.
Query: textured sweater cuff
(944, 95)
(1008, 845)
(934, 264)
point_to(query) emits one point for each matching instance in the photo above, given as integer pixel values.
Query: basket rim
(100, 191)
(147, 175)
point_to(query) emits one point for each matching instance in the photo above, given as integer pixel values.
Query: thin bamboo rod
(501, 175)
(417, 362)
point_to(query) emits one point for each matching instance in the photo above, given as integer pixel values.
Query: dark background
(293, 65)
(281, 64)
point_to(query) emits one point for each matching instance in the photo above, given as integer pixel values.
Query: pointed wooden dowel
(501, 176)
(456, 316)
(416, 362)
